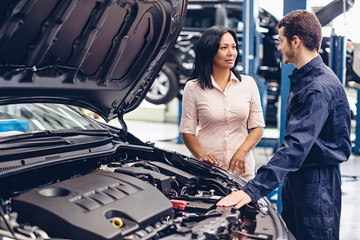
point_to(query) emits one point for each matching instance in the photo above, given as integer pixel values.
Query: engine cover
(84, 207)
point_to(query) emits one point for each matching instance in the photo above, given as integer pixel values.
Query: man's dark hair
(303, 24)
(205, 51)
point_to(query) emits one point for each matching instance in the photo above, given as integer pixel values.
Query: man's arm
(302, 130)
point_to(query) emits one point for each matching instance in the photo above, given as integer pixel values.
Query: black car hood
(100, 55)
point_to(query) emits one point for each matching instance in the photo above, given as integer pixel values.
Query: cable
(7, 223)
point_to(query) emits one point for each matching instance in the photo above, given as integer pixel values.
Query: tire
(164, 88)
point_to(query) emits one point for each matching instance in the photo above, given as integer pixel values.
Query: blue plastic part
(14, 125)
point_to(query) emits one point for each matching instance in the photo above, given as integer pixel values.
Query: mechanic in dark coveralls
(317, 138)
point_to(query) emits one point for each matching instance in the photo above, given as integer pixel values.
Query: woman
(225, 104)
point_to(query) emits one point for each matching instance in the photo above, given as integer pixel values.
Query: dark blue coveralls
(317, 139)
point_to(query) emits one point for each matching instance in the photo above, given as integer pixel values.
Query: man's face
(286, 48)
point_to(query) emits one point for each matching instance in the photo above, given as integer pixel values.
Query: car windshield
(17, 118)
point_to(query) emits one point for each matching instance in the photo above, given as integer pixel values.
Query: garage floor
(165, 135)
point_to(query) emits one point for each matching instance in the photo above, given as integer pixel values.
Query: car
(65, 175)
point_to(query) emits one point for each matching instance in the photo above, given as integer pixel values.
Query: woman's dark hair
(303, 24)
(205, 51)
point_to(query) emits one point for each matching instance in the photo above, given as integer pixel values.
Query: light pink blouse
(223, 117)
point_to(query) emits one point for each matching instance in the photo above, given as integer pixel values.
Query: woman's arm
(238, 159)
(194, 147)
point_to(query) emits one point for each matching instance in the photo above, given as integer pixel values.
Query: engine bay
(171, 197)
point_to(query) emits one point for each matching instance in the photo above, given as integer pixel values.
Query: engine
(133, 200)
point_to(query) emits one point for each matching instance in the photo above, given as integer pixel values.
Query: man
(317, 138)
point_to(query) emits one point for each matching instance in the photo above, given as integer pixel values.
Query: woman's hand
(237, 162)
(194, 147)
(210, 158)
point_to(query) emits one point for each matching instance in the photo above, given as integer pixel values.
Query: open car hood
(101, 55)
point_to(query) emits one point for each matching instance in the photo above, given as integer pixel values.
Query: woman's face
(227, 52)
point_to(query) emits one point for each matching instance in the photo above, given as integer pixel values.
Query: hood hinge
(121, 113)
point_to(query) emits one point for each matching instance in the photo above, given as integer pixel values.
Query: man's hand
(210, 158)
(237, 199)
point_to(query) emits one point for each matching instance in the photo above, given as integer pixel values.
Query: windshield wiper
(48, 135)
(24, 143)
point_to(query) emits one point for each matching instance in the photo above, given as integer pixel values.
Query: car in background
(64, 175)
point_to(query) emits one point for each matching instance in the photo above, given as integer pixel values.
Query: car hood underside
(101, 55)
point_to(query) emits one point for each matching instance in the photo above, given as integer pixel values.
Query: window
(200, 18)
(234, 20)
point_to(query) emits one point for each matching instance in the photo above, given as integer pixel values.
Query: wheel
(164, 88)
